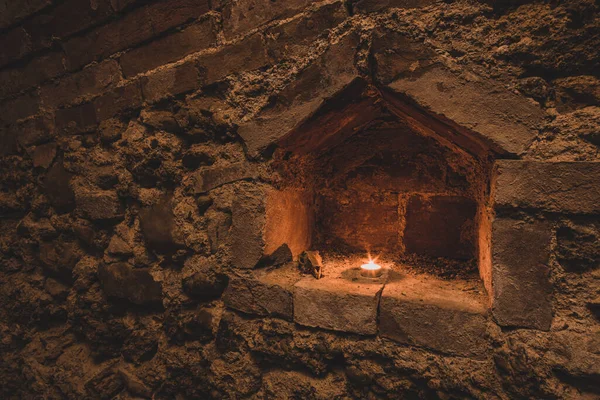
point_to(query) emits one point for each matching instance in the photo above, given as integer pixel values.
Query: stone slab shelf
(421, 310)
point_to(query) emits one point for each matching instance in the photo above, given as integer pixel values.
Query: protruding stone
(210, 178)
(563, 187)
(158, 223)
(43, 155)
(57, 186)
(263, 292)
(98, 205)
(340, 301)
(280, 256)
(521, 290)
(449, 317)
(123, 281)
(207, 282)
(504, 121)
(298, 101)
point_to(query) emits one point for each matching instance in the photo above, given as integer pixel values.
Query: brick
(247, 55)
(66, 19)
(128, 31)
(449, 317)
(264, 292)
(521, 290)
(82, 85)
(502, 120)
(20, 107)
(441, 226)
(340, 301)
(35, 131)
(561, 187)
(328, 75)
(76, 120)
(13, 11)
(168, 14)
(14, 44)
(117, 100)
(171, 82)
(36, 71)
(168, 49)
(369, 6)
(242, 16)
(157, 224)
(294, 38)
(209, 178)
(134, 28)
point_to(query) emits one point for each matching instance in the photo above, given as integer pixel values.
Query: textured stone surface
(563, 187)
(98, 205)
(136, 285)
(212, 177)
(264, 292)
(450, 317)
(521, 290)
(441, 226)
(340, 301)
(319, 81)
(500, 117)
(368, 6)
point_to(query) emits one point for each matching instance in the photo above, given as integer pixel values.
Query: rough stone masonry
(139, 141)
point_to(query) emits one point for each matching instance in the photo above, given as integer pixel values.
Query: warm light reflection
(371, 269)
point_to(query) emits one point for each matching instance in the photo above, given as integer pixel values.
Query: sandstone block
(506, 122)
(263, 219)
(264, 292)
(247, 55)
(562, 187)
(207, 281)
(171, 82)
(166, 15)
(43, 155)
(369, 6)
(158, 224)
(441, 226)
(117, 100)
(132, 29)
(244, 15)
(340, 301)
(137, 285)
(521, 290)
(13, 11)
(578, 247)
(34, 72)
(36, 130)
(57, 187)
(440, 315)
(76, 120)
(295, 37)
(209, 178)
(81, 85)
(168, 49)
(299, 100)
(396, 55)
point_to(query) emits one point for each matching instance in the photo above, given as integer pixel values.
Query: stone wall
(137, 142)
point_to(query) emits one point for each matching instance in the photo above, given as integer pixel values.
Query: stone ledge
(341, 301)
(264, 293)
(450, 317)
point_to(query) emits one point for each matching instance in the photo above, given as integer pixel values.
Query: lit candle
(371, 270)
